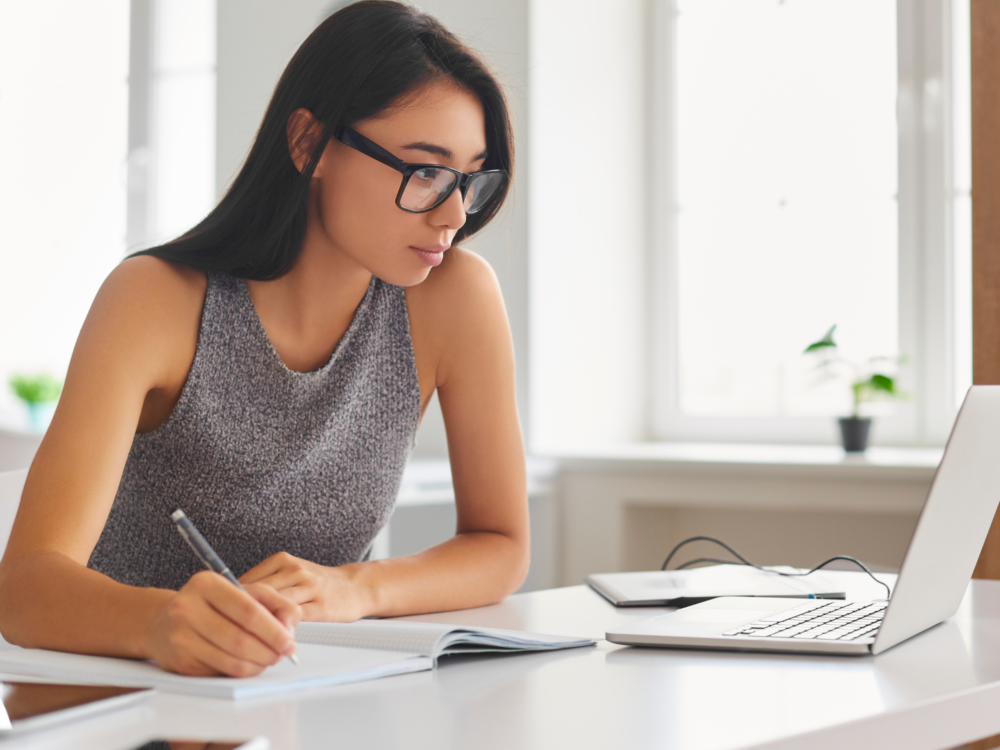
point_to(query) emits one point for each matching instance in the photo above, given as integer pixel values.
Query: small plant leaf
(35, 389)
(826, 342)
(883, 383)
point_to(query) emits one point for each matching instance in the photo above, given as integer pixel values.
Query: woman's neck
(307, 311)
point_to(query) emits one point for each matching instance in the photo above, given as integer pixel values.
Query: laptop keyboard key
(833, 635)
(789, 613)
(768, 633)
(827, 621)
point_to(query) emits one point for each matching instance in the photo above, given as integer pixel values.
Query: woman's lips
(432, 255)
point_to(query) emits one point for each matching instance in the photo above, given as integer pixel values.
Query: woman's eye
(426, 175)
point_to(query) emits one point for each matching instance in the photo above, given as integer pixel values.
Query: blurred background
(703, 188)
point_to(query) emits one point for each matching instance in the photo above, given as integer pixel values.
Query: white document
(319, 666)
(429, 638)
(329, 654)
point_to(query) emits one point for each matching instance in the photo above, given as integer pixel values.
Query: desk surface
(938, 690)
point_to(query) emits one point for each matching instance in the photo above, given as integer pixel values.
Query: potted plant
(867, 384)
(40, 393)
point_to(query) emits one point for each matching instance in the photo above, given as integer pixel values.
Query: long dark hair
(354, 65)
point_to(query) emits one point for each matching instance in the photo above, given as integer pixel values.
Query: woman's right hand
(211, 627)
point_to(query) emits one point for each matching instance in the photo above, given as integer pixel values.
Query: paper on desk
(429, 638)
(320, 666)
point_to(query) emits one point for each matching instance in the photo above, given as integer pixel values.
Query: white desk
(938, 690)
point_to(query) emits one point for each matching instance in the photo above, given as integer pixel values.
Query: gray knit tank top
(263, 459)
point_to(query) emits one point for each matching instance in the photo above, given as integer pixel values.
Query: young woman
(267, 371)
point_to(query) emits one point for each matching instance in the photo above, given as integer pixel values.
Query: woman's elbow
(517, 566)
(11, 611)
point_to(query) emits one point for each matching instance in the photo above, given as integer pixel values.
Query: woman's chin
(405, 277)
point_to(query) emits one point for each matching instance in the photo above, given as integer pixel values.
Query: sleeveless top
(264, 459)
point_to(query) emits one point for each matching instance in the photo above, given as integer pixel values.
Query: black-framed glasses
(426, 186)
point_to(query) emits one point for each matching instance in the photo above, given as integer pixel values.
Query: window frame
(926, 251)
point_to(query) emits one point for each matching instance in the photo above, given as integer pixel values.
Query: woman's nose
(451, 213)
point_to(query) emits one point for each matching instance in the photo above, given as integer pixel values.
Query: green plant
(867, 384)
(35, 389)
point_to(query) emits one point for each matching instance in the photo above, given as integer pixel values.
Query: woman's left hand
(325, 594)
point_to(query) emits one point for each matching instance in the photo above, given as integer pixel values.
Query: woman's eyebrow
(431, 148)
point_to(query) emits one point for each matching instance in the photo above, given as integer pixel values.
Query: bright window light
(182, 116)
(787, 198)
(63, 142)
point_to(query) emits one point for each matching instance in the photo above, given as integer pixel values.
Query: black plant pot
(854, 433)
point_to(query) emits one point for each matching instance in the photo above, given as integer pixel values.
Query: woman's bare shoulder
(458, 313)
(147, 309)
(463, 285)
(146, 281)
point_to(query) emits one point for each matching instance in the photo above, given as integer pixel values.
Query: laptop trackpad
(717, 615)
(723, 616)
(701, 622)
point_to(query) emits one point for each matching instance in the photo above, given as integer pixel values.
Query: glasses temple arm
(358, 142)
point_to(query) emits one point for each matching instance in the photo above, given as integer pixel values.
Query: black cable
(717, 561)
(744, 561)
(705, 539)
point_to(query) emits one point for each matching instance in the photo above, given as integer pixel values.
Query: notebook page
(387, 635)
(464, 640)
(320, 666)
(428, 638)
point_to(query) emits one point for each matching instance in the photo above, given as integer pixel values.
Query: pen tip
(295, 659)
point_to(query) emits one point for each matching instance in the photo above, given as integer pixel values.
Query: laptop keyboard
(821, 621)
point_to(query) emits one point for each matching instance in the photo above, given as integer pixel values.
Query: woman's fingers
(259, 572)
(211, 627)
(215, 660)
(286, 578)
(314, 611)
(283, 607)
(292, 577)
(242, 609)
(234, 640)
(266, 568)
(297, 592)
(253, 616)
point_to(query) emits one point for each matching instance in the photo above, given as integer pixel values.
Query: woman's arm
(130, 361)
(459, 313)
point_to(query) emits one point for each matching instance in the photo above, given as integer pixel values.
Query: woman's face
(353, 196)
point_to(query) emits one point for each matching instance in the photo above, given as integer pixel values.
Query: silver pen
(203, 550)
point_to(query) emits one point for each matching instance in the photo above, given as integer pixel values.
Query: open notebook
(329, 654)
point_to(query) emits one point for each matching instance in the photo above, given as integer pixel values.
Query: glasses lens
(483, 187)
(425, 188)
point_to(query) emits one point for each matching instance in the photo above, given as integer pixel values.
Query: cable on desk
(744, 561)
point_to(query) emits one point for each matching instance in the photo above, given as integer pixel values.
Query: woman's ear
(303, 131)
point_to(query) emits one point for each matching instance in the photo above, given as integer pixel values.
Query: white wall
(17, 449)
(588, 236)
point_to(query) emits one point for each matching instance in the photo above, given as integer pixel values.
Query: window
(171, 119)
(107, 144)
(63, 139)
(809, 149)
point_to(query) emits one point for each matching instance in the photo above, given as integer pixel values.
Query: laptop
(936, 569)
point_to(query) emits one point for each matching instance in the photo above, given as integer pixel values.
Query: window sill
(815, 461)
(428, 481)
